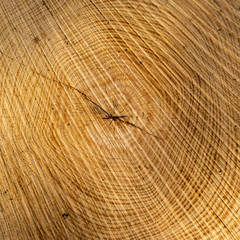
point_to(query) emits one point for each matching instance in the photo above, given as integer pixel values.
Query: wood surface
(119, 119)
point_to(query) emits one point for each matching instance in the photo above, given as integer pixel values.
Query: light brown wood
(70, 169)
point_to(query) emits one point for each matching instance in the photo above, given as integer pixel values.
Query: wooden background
(170, 169)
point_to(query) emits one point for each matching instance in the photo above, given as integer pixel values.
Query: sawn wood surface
(119, 119)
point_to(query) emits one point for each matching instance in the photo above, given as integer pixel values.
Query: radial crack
(109, 115)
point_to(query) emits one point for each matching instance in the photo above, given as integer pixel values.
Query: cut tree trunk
(119, 119)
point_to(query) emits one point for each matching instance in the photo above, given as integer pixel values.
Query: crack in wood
(109, 115)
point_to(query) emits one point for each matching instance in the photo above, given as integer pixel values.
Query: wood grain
(170, 169)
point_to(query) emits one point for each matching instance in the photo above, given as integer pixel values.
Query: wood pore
(119, 119)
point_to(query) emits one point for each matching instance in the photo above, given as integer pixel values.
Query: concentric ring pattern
(119, 119)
